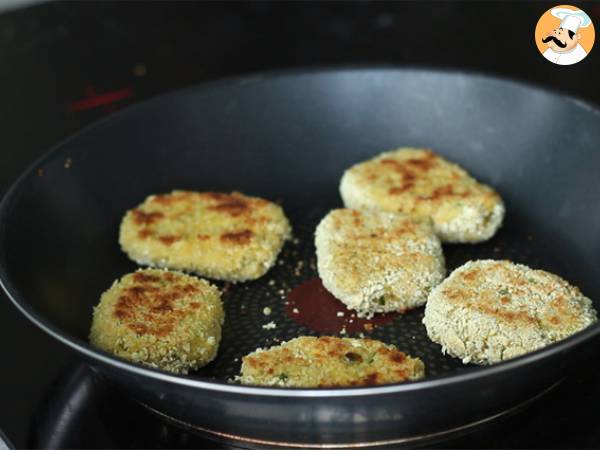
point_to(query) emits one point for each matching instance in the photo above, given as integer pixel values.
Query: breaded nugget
(167, 320)
(421, 183)
(309, 361)
(222, 236)
(377, 261)
(489, 311)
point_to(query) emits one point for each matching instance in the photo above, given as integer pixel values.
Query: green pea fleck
(283, 377)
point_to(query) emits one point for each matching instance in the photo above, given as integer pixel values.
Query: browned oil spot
(405, 228)
(401, 373)
(169, 239)
(145, 233)
(355, 218)
(141, 290)
(146, 218)
(239, 237)
(470, 275)
(510, 316)
(407, 174)
(452, 294)
(142, 277)
(443, 191)
(234, 207)
(397, 357)
(505, 300)
(253, 221)
(122, 310)
(554, 320)
(370, 379)
(426, 163)
(168, 199)
(251, 362)
(390, 162)
(154, 305)
(188, 289)
(203, 237)
(400, 189)
(164, 306)
(219, 196)
(194, 305)
(168, 276)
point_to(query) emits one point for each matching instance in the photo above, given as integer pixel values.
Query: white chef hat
(570, 19)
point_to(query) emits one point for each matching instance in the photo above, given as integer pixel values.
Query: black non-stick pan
(288, 137)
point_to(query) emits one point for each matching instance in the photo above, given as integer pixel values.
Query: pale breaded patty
(377, 261)
(488, 311)
(167, 320)
(230, 237)
(308, 362)
(421, 183)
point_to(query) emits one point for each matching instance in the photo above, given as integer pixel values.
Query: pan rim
(199, 382)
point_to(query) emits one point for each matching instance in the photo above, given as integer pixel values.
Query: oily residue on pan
(311, 305)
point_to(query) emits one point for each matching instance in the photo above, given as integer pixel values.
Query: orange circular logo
(564, 35)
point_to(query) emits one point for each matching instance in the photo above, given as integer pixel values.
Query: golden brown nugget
(489, 311)
(322, 362)
(230, 237)
(377, 262)
(421, 183)
(166, 320)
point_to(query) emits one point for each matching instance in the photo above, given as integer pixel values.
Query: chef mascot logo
(564, 35)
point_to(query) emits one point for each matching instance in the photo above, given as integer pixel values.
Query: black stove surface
(65, 65)
(81, 410)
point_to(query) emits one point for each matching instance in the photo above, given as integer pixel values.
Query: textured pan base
(400, 442)
(243, 330)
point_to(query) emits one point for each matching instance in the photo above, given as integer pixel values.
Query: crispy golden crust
(376, 261)
(223, 236)
(167, 320)
(309, 361)
(488, 311)
(421, 183)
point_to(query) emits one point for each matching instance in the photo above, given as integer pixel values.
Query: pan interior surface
(288, 138)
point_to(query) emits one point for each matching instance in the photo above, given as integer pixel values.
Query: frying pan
(288, 136)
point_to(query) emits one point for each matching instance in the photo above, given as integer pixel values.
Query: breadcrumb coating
(489, 311)
(422, 183)
(230, 237)
(376, 261)
(163, 319)
(309, 361)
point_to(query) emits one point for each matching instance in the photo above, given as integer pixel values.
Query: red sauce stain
(318, 310)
